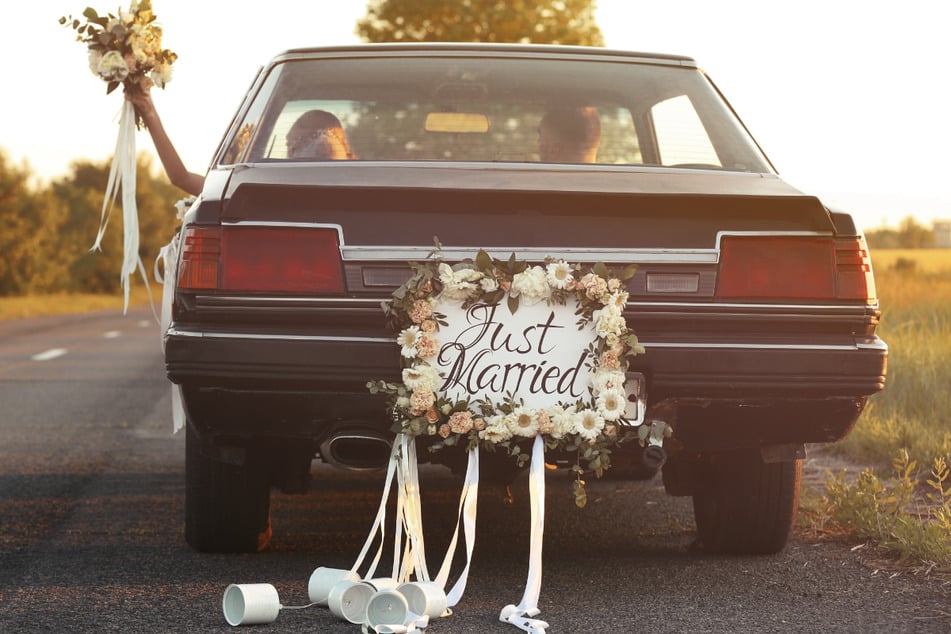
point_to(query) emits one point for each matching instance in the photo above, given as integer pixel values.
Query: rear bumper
(716, 394)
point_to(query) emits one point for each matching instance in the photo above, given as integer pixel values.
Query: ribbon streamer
(168, 255)
(521, 615)
(122, 177)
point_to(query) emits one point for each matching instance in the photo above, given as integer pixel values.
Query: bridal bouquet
(125, 49)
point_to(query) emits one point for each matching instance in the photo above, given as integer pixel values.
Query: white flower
(161, 75)
(618, 300)
(489, 284)
(609, 321)
(563, 420)
(112, 67)
(421, 377)
(532, 285)
(605, 379)
(589, 424)
(523, 422)
(408, 339)
(182, 206)
(559, 274)
(611, 404)
(94, 58)
(458, 285)
(496, 429)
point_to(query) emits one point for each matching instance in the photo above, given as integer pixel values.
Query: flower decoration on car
(423, 405)
(126, 48)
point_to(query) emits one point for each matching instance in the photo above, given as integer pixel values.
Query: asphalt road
(91, 507)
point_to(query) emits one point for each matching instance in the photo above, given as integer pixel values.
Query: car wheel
(745, 506)
(227, 506)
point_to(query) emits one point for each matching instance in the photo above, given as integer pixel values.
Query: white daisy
(559, 274)
(523, 422)
(589, 424)
(611, 404)
(407, 339)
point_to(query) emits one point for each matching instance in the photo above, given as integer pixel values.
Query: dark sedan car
(754, 303)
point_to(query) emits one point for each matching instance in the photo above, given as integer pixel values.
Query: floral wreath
(589, 427)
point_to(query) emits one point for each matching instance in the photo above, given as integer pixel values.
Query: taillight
(776, 267)
(280, 259)
(201, 247)
(793, 267)
(854, 266)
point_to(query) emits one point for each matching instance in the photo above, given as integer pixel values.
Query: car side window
(681, 137)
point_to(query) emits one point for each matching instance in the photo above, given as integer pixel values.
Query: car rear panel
(700, 348)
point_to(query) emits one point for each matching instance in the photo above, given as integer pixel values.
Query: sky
(849, 99)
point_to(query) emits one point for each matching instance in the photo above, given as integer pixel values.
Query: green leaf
(581, 496)
(601, 270)
(513, 304)
(112, 86)
(628, 272)
(90, 14)
(483, 261)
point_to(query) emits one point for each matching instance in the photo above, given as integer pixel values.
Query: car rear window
(491, 109)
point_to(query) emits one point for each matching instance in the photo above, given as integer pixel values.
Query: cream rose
(421, 377)
(112, 67)
(531, 285)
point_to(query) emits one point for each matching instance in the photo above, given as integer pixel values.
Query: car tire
(745, 506)
(227, 506)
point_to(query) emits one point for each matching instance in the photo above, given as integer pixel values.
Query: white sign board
(537, 354)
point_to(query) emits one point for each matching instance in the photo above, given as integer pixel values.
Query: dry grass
(64, 304)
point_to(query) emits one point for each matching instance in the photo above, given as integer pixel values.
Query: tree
(910, 234)
(515, 21)
(21, 222)
(79, 199)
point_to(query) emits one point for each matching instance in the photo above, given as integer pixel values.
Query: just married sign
(538, 354)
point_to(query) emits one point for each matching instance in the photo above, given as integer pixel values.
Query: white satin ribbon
(380, 519)
(468, 504)
(521, 615)
(122, 177)
(168, 255)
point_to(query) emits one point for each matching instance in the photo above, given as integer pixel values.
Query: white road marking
(49, 354)
(111, 334)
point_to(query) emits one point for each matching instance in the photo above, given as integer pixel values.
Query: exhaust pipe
(356, 449)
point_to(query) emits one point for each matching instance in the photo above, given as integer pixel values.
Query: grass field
(914, 411)
(67, 304)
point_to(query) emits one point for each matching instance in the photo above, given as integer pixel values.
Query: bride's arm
(174, 168)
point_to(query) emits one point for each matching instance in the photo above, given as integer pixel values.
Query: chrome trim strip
(244, 335)
(753, 346)
(234, 301)
(639, 256)
(723, 234)
(873, 345)
(632, 306)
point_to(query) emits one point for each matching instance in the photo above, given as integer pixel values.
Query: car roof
(490, 49)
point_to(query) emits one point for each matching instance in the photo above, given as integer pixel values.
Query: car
(754, 302)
